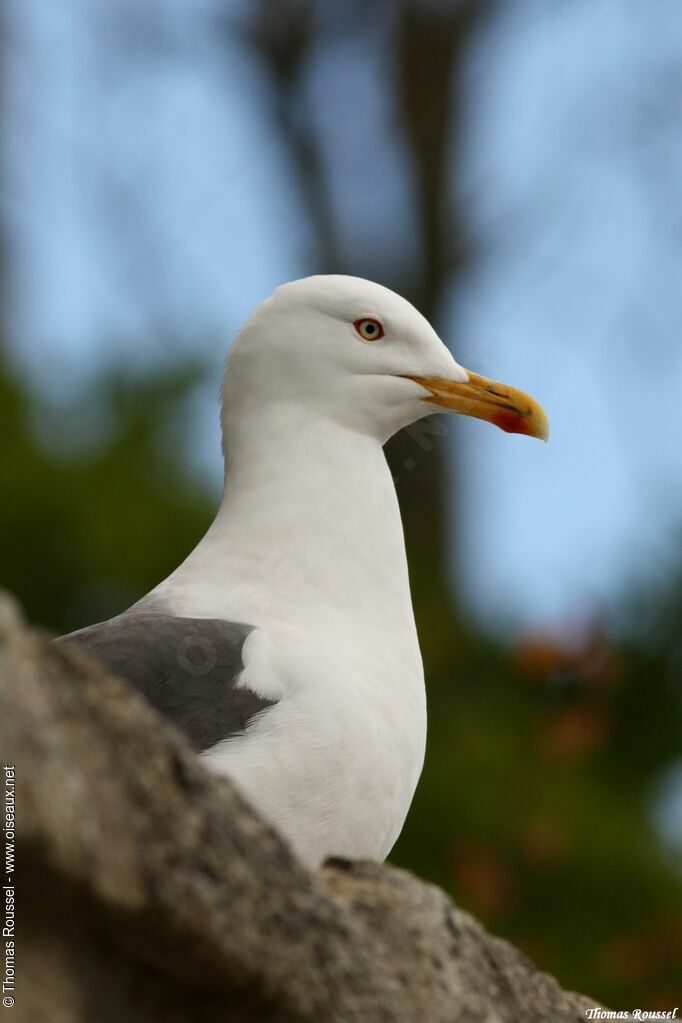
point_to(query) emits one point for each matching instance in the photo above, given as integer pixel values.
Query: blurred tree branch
(283, 34)
(434, 41)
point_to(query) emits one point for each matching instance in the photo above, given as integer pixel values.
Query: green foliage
(85, 535)
(534, 809)
(535, 806)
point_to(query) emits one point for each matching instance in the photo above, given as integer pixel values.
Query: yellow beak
(511, 410)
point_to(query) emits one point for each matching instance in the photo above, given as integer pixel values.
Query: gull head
(353, 351)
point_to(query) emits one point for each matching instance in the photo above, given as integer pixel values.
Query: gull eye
(369, 329)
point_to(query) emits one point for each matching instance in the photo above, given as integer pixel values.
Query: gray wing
(186, 668)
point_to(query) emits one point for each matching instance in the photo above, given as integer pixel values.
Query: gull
(284, 646)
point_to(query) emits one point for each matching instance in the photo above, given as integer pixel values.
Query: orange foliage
(574, 733)
(484, 878)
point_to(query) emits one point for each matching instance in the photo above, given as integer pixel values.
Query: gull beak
(511, 410)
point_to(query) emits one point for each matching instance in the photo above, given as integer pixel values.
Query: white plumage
(307, 549)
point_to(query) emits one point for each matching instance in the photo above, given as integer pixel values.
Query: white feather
(308, 548)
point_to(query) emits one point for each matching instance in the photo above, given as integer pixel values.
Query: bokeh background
(514, 167)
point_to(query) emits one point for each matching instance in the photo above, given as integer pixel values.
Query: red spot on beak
(510, 422)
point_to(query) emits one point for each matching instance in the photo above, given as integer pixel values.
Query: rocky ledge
(147, 890)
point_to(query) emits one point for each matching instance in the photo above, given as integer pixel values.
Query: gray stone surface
(149, 891)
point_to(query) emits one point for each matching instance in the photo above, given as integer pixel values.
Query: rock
(148, 890)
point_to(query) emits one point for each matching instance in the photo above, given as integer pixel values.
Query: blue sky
(150, 207)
